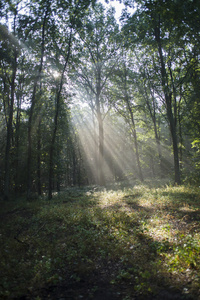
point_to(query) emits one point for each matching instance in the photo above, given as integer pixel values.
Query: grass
(139, 242)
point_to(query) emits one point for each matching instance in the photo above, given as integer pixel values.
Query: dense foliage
(84, 99)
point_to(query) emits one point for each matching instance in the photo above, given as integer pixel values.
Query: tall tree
(155, 26)
(9, 65)
(44, 13)
(99, 49)
(125, 102)
(74, 12)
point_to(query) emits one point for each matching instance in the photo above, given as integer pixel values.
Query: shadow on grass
(113, 263)
(184, 206)
(183, 197)
(115, 259)
(74, 248)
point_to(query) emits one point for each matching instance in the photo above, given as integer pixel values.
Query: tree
(99, 48)
(75, 11)
(9, 80)
(44, 17)
(124, 100)
(155, 26)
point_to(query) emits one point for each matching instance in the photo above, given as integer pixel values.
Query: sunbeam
(88, 142)
(119, 158)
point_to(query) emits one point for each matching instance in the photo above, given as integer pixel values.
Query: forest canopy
(88, 99)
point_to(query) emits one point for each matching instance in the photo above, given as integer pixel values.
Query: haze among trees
(99, 150)
(85, 99)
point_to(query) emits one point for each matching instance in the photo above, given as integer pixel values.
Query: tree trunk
(174, 143)
(181, 138)
(52, 147)
(101, 179)
(57, 111)
(33, 102)
(168, 102)
(9, 127)
(133, 127)
(95, 175)
(39, 185)
(136, 146)
(17, 143)
(8, 139)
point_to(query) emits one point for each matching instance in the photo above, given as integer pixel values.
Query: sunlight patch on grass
(109, 198)
(186, 208)
(140, 238)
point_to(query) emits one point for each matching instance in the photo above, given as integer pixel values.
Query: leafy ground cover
(134, 242)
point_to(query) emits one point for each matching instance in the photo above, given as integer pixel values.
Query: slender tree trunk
(74, 170)
(29, 159)
(161, 160)
(95, 148)
(168, 102)
(136, 144)
(156, 131)
(152, 111)
(39, 185)
(175, 145)
(52, 146)
(157, 139)
(9, 127)
(100, 171)
(33, 103)
(133, 128)
(101, 179)
(8, 140)
(17, 145)
(57, 111)
(181, 139)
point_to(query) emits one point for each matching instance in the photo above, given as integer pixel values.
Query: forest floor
(141, 241)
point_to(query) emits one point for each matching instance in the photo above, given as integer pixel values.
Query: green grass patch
(136, 241)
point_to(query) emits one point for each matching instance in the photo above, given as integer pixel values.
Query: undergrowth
(136, 241)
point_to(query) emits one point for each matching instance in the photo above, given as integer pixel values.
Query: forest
(86, 99)
(100, 149)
